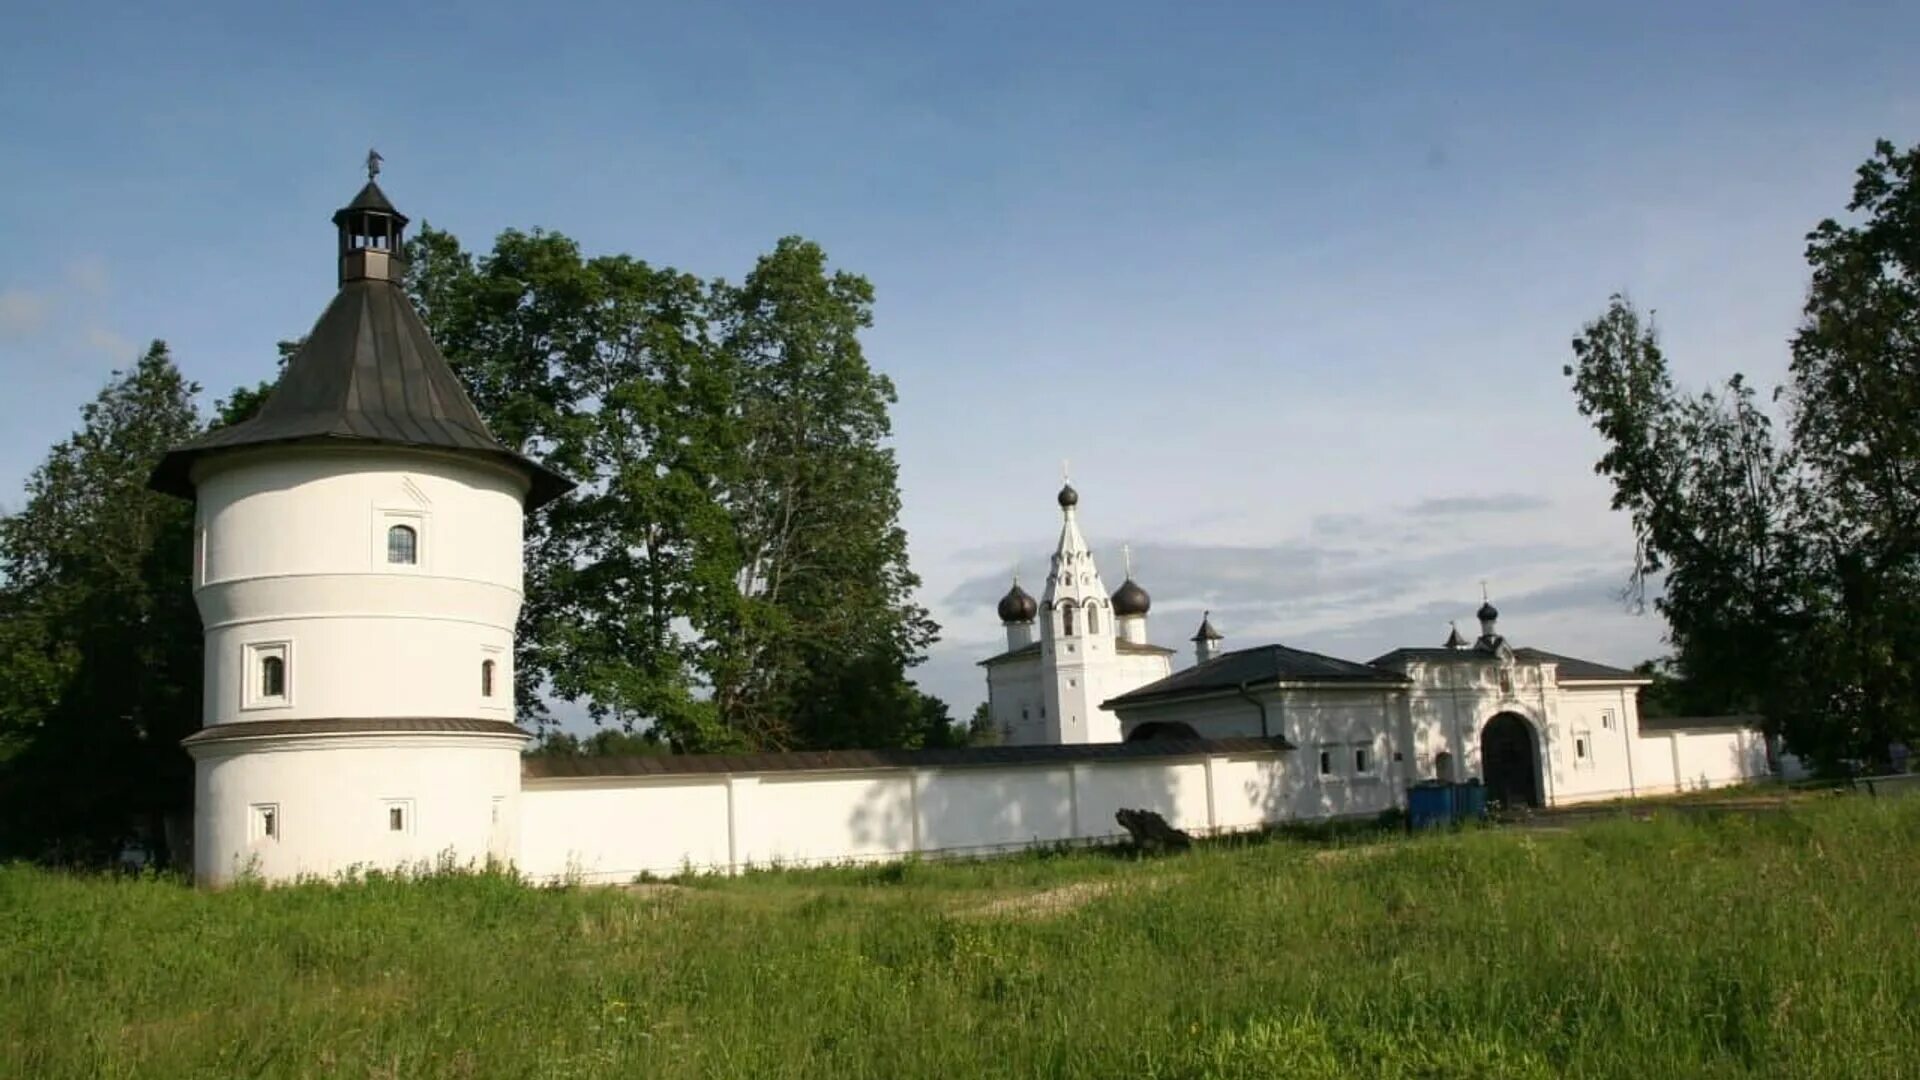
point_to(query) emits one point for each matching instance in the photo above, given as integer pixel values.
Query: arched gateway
(1509, 762)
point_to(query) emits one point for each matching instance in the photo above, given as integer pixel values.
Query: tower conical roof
(369, 373)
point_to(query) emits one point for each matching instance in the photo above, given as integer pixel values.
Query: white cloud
(101, 339)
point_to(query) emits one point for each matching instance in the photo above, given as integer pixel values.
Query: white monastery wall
(612, 829)
(332, 797)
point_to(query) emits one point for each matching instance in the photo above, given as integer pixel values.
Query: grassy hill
(1784, 944)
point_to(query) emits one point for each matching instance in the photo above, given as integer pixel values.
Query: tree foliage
(100, 644)
(731, 572)
(1791, 568)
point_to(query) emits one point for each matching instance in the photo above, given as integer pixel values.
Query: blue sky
(1291, 289)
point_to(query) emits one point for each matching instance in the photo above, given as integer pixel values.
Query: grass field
(1785, 944)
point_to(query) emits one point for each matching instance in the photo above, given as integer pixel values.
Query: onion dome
(1130, 599)
(1487, 612)
(1206, 631)
(1454, 640)
(1018, 606)
(1069, 498)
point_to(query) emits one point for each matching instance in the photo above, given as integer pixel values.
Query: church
(1536, 727)
(357, 570)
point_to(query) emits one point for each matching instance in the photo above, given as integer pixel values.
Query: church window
(1093, 619)
(1363, 760)
(1066, 619)
(403, 545)
(1326, 762)
(486, 678)
(1582, 749)
(1606, 719)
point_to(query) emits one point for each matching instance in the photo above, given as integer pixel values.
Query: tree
(602, 369)
(100, 645)
(1791, 572)
(980, 729)
(815, 650)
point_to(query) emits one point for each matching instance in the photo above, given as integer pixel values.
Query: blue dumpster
(1429, 805)
(1470, 801)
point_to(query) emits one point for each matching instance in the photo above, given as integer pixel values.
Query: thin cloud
(1510, 503)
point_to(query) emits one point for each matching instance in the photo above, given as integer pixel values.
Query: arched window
(403, 545)
(1066, 619)
(273, 677)
(486, 678)
(1093, 618)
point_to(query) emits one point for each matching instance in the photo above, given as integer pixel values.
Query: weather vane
(373, 164)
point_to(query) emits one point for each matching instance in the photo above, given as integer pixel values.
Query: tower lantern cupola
(372, 233)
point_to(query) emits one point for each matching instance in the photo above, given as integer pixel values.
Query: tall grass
(1786, 944)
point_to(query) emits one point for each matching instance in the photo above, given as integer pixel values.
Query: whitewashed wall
(612, 829)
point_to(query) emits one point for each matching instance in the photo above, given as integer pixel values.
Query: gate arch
(1510, 761)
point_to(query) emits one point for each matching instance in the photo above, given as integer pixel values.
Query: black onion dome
(1487, 612)
(1017, 606)
(1068, 497)
(1131, 599)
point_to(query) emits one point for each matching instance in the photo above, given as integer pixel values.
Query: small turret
(1206, 641)
(1131, 604)
(1017, 611)
(1454, 640)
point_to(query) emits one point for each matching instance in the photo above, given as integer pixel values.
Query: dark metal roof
(1206, 631)
(1263, 666)
(1573, 669)
(369, 198)
(368, 373)
(1454, 640)
(586, 766)
(1131, 599)
(1120, 645)
(1568, 668)
(1742, 722)
(351, 725)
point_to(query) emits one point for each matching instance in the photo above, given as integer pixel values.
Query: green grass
(1782, 945)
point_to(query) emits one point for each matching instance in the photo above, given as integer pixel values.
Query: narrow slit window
(1066, 619)
(1362, 761)
(1093, 620)
(486, 678)
(1326, 763)
(273, 677)
(396, 819)
(403, 545)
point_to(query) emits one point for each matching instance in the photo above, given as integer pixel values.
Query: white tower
(1076, 638)
(357, 568)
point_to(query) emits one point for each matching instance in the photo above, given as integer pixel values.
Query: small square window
(266, 822)
(399, 815)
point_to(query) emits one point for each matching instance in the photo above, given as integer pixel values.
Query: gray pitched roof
(1262, 666)
(587, 766)
(1569, 669)
(368, 373)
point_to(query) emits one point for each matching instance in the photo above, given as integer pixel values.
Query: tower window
(403, 545)
(1066, 619)
(273, 677)
(400, 815)
(486, 678)
(266, 675)
(1093, 619)
(266, 821)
